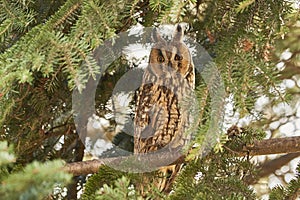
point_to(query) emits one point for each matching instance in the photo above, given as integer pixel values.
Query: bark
(272, 146)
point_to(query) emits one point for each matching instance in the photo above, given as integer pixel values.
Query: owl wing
(190, 77)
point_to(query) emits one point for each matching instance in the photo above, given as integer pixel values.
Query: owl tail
(162, 182)
(166, 177)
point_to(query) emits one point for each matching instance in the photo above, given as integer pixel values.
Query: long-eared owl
(161, 117)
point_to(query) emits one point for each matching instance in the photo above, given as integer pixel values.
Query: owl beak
(170, 66)
(171, 69)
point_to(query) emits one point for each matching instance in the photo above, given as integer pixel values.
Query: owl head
(171, 56)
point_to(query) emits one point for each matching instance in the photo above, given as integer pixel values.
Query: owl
(162, 117)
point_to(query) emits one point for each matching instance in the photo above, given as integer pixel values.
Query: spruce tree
(43, 46)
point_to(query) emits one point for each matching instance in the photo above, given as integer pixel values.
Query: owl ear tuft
(178, 35)
(156, 36)
(179, 28)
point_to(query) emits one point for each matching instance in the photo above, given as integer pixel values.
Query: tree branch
(272, 146)
(263, 147)
(86, 167)
(271, 166)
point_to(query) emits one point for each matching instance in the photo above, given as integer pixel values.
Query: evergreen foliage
(121, 191)
(230, 173)
(105, 176)
(44, 44)
(291, 191)
(34, 181)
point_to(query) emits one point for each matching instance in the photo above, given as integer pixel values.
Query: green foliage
(216, 176)
(291, 191)
(244, 5)
(240, 43)
(220, 171)
(105, 176)
(35, 181)
(42, 65)
(170, 11)
(15, 16)
(238, 137)
(122, 190)
(109, 183)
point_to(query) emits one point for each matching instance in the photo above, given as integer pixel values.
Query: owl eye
(178, 57)
(160, 59)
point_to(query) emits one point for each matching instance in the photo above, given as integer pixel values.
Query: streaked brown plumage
(161, 118)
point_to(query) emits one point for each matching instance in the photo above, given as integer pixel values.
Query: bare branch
(273, 146)
(271, 166)
(86, 167)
